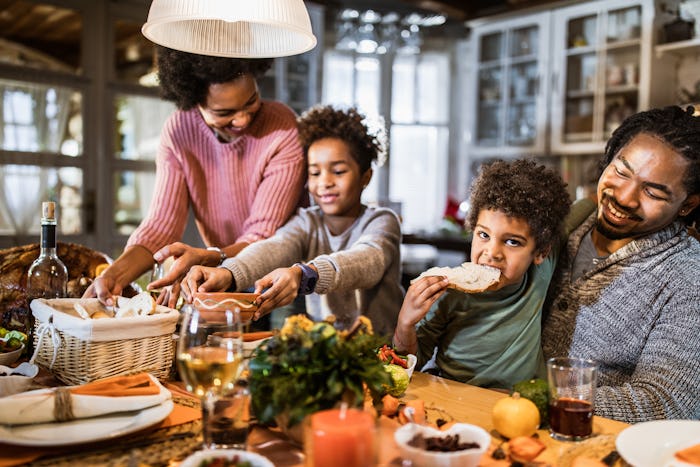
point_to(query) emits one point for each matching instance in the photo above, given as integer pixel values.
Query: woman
(231, 157)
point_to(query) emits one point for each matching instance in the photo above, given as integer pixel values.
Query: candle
(341, 435)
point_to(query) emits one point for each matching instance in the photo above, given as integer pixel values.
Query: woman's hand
(205, 279)
(282, 286)
(186, 256)
(104, 287)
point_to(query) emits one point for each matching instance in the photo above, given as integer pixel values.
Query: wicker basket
(77, 351)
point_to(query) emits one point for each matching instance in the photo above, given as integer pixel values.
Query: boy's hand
(205, 279)
(420, 296)
(282, 286)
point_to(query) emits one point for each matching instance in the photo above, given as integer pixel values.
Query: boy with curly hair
(343, 255)
(492, 338)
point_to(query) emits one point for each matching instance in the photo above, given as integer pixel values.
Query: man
(629, 288)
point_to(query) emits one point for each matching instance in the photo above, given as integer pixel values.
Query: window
(84, 130)
(416, 115)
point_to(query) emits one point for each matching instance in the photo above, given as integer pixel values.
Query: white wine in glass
(210, 361)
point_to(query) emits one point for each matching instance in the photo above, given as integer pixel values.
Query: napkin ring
(62, 405)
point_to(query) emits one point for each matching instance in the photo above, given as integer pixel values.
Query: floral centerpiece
(310, 366)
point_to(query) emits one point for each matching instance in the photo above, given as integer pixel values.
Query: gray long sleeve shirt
(637, 313)
(359, 271)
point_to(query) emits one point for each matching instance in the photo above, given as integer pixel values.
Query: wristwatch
(220, 251)
(309, 277)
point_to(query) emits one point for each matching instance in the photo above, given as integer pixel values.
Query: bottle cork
(48, 210)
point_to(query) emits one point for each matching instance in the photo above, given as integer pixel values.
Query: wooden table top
(445, 399)
(471, 404)
(453, 401)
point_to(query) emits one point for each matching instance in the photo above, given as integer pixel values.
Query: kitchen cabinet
(509, 86)
(601, 64)
(558, 82)
(295, 80)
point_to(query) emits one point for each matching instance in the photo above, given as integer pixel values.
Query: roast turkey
(80, 261)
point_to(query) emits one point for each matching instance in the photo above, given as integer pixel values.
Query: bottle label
(48, 236)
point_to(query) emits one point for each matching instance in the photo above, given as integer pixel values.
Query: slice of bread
(142, 304)
(467, 278)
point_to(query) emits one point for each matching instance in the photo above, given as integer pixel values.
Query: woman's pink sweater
(239, 191)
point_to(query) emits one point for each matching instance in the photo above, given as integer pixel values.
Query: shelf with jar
(601, 66)
(679, 47)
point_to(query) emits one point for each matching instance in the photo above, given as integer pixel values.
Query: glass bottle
(47, 276)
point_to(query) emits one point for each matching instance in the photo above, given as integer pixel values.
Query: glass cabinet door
(599, 56)
(491, 99)
(511, 58)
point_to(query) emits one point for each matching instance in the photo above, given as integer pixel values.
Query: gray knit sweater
(637, 313)
(359, 271)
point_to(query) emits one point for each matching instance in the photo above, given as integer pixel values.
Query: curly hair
(525, 190)
(676, 127)
(185, 78)
(347, 125)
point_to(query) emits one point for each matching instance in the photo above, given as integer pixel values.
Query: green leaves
(305, 369)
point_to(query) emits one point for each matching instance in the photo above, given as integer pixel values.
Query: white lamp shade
(231, 28)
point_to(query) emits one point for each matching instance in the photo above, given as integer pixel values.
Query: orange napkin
(115, 394)
(690, 455)
(119, 386)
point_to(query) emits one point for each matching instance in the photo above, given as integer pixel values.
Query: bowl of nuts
(461, 445)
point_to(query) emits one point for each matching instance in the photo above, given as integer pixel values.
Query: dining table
(167, 443)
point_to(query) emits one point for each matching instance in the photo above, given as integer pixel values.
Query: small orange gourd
(515, 416)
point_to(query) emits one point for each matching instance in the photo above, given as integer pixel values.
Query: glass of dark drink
(572, 383)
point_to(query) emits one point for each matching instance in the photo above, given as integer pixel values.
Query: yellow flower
(296, 322)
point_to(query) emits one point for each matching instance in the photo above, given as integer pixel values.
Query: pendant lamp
(231, 28)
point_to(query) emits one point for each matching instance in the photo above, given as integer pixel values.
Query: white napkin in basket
(38, 406)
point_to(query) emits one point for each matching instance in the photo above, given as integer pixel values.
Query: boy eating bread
(491, 337)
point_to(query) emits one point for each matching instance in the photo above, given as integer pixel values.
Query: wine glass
(157, 273)
(210, 361)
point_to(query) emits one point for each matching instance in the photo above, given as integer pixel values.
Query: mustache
(618, 207)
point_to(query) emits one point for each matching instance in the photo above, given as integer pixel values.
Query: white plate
(85, 430)
(652, 444)
(255, 459)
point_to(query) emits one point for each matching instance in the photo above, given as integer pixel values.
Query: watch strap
(309, 277)
(221, 253)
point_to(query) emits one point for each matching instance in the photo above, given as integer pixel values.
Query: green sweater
(490, 339)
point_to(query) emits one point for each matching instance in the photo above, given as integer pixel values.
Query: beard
(608, 230)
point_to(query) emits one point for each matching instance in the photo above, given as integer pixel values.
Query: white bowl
(250, 346)
(256, 460)
(463, 458)
(412, 359)
(8, 358)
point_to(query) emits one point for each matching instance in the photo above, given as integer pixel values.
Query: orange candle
(341, 436)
